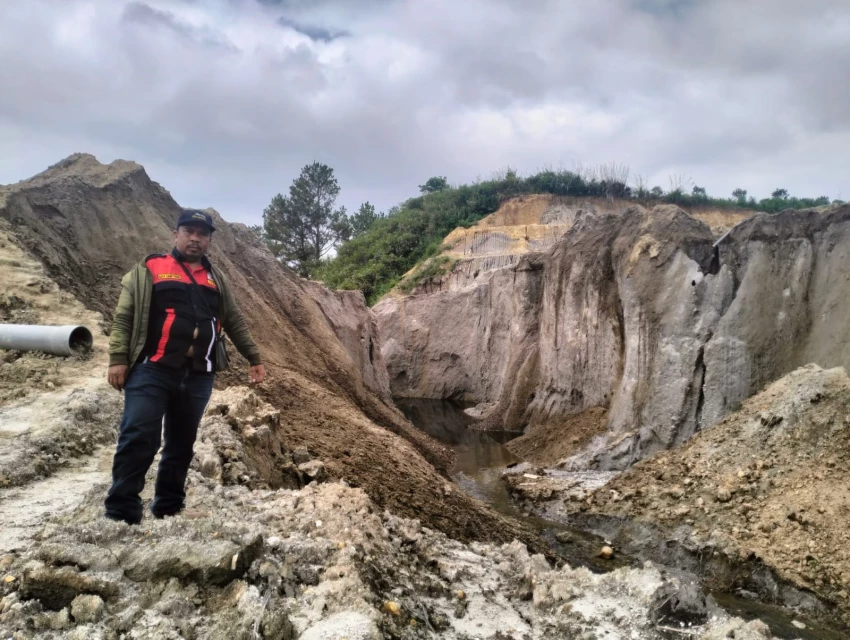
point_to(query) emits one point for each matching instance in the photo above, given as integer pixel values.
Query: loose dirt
(547, 443)
(319, 563)
(89, 223)
(767, 488)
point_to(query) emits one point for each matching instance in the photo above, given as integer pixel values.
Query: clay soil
(550, 442)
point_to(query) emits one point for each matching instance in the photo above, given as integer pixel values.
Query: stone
(680, 600)
(564, 537)
(346, 625)
(57, 588)
(211, 562)
(300, 455)
(606, 553)
(798, 624)
(314, 470)
(392, 607)
(87, 608)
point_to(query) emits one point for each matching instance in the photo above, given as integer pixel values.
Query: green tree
(432, 185)
(740, 195)
(301, 228)
(656, 192)
(363, 219)
(698, 192)
(780, 194)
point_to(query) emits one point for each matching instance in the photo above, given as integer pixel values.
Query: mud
(756, 505)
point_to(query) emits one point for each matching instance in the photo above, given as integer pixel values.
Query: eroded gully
(482, 459)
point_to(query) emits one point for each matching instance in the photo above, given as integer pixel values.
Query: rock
(798, 624)
(724, 494)
(210, 466)
(57, 588)
(314, 470)
(680, 601)
(300, 455)
(606, 553)
(211, 562)
(392, 607)
(85, 608)
(491, 329)
(61, 620)
(564, 537)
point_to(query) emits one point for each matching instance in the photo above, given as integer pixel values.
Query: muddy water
(481, 459)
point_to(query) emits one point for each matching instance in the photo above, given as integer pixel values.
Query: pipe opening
(80, 340)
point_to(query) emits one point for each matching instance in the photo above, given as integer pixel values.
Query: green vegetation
(432, 267)
(374, 250)
(301, 228)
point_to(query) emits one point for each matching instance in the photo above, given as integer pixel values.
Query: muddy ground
(319, 563)
(759, 503)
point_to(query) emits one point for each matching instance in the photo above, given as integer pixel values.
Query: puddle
(481, 459)
(779, 621)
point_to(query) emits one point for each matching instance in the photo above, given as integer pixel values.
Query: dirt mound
(768, 483)
(550, 442)
(88, 223)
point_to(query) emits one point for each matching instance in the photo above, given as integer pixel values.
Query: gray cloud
(313, 32)
(225, 100)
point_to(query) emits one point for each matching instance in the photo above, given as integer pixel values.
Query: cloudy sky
(224, 101)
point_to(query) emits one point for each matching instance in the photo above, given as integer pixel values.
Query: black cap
(194, 215)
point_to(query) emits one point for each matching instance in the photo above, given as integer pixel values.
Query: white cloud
(224, 101)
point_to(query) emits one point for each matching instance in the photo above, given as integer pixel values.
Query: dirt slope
(88, 223)
(769, 484)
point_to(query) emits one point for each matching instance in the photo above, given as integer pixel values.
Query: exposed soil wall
(637, 312)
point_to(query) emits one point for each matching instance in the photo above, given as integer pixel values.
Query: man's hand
(258, 374)
(117, 376)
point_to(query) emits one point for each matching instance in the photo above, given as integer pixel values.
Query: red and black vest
(179, 310)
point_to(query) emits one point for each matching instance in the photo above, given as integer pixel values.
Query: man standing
(170, 313)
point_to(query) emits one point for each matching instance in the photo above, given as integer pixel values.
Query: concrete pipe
(64, 340)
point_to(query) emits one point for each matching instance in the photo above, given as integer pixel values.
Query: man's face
(193, 240)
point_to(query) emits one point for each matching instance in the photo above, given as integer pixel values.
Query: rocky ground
(56, 414)
(765, 490)
(319, 563)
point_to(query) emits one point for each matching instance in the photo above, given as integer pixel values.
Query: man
(170, 312)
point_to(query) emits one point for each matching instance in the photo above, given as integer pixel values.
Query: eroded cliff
(645, 313)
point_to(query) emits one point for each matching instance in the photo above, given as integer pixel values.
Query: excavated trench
(481, 462)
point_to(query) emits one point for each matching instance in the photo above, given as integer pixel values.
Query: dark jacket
(130, 322)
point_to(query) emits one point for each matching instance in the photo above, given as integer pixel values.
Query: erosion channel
(482, 464)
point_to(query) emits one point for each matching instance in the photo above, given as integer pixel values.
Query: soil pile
(643, 313)
(319, 563)
(88, 223)
(765, 490)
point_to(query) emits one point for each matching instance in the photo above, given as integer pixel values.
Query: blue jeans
(154, 392)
